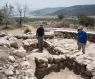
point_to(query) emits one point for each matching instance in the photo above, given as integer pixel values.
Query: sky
(39, 4)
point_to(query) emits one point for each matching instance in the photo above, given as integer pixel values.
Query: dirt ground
(63, 74)
(19, 31)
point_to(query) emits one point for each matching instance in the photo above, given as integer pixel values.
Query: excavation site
(47, 39)
(60, 59)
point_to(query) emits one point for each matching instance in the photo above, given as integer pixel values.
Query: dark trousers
(81, 46)
(40, 43)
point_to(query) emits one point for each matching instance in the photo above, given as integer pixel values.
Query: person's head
(41, 26)
(80, 28)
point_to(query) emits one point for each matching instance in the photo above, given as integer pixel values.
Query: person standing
(81, 39)
(40, 37)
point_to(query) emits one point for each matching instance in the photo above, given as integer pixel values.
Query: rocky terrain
(20, 58)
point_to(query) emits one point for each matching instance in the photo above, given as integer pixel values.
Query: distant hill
(46, 11)
(72, 11)
(76, 10)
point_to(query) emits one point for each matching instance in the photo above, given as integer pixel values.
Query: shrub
(27, 30)
(84, 20)
(60, 17)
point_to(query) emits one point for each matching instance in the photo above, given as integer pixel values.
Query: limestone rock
(3, 42)
(11, 58)
(29, 72)
(91, 66)
(17, 72)
(2, 34)
(50, 59)
(56, 58)
(11, 77)
(25, 63)
(83, 60)
(9, 72)
(13, 42)
(29, 42)
(21, 52)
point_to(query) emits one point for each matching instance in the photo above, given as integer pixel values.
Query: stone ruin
(17, 63)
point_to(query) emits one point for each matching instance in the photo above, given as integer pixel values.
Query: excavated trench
(59, 62)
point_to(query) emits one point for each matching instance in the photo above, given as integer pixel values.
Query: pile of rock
(15, 64)
(9, 41)
(30, 44)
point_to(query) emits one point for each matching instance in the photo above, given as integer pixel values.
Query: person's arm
(77, 38)
(36, 33)
(44, 32)
(86, 38)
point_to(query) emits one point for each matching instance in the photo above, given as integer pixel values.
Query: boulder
(41, 62)
(50, 59)
(17, 72)
(62, 57)
(11, 58)
(29, 73)
(29, 44)
(13, 42)
(56, 58)
(83, 60)
(11, 77)
(2, 34)
(91, 66)
(25, 64)
(5, 42)
(9, 71)
(21, 52)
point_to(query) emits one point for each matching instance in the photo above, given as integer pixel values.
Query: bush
(86, 21)
(27, 30)
(60, 17)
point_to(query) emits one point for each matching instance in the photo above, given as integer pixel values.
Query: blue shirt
(82, 37)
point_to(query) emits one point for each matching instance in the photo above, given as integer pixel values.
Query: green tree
(61, 17)
(84, 20)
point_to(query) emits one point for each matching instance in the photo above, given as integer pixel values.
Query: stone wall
(73, 34)
(79, 63)
(30, 44)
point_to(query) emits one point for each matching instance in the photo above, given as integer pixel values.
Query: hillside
(76, 10)
(46, 11)
(72, 11)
